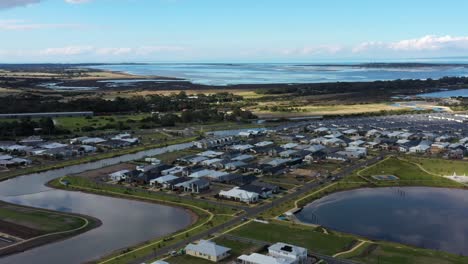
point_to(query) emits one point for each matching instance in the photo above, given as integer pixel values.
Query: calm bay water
(447, 94)
(433, 218)
(225, 74)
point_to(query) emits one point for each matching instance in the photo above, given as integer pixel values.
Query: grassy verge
(42, 221)
(409, 174)
(120, 152)
(40, 226)
(389, 253)
(441, 167)
(295, 234)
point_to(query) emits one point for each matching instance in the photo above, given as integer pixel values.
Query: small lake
(434, 218)
(446, 94)
(124, 222)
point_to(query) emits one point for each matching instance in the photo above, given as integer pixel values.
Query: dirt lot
(18, 230)
(100, 173)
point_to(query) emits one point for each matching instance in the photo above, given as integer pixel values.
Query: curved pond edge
(368, 186)
(90, 224)
(196, 218)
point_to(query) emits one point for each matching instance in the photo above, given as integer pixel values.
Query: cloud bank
(425, 43)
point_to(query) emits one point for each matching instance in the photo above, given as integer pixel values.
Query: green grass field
(409, 174)
(76, 123)
(389, 253)
(442, 167)
(297, 235)
(43, 221)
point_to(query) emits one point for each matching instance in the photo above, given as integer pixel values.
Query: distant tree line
(28, 127)
(377, 87)
(153, 103)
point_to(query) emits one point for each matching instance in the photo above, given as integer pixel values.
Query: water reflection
(425, 217)
(125, 222)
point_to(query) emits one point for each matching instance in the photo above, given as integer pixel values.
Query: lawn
(237, 249)
(442, 167)
(409, 174)
(297, 235)
(389, 253)
(76, 123)
(43, 221)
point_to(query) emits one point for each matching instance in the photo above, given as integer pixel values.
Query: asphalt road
(254, 211)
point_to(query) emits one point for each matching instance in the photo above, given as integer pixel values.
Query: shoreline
(298, 221)
(193, 216)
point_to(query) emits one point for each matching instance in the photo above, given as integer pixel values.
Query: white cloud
(14, 3)
(426, 43)
(67, 51)
(16, 24)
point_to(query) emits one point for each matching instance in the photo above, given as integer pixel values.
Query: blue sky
(230, 30)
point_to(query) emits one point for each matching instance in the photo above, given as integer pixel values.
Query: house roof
(238, 192)
(208, 248)
(259, 258)
(290, 249)
(164, 179)
(254, 188)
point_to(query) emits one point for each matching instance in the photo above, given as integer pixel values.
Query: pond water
(124, 222)
(434, 218)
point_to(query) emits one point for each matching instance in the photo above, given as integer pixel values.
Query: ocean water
(446, 94)
(229, 74)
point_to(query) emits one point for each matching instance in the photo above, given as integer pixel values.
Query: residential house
(207, 250)
(213, 142)
(263, 192)
(235, 165)
(290, 252)
(163, 180)
(240, 195)
(119, 175)
(194, 185)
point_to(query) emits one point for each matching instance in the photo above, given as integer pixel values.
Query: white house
(118, 175)
(298, 255)
(162, 180)
(207, 250)
(256, 258)
(240, 195)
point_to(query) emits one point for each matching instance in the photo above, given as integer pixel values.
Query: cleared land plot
(104, 172)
